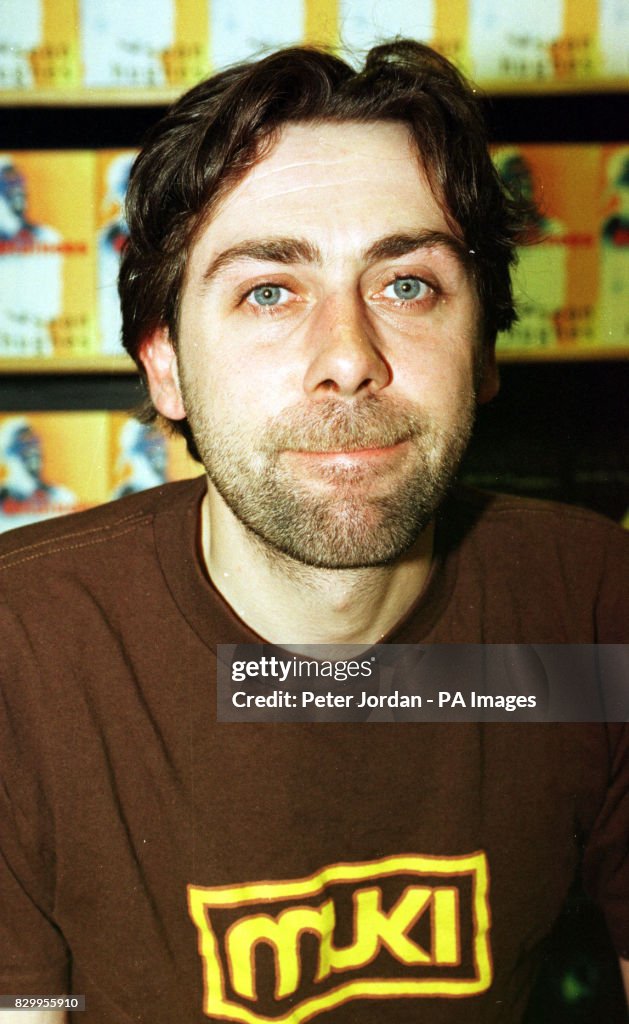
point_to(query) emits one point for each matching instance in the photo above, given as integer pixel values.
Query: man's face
(329, 335)
(27, 448)
(13, 189)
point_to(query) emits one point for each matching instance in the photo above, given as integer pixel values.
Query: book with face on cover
(54, 463)
(47, 293)
(555, 280)
(51, 464)
(39, 45)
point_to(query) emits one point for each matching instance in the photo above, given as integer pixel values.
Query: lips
(340, 459)
(352, 452)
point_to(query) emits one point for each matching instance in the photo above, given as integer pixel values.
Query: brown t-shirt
(173, 868)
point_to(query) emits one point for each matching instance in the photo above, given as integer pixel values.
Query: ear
(160, 362)
(489, 385)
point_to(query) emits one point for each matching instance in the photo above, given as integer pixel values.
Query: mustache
(333, 425)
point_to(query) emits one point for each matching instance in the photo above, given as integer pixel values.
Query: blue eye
(267, 294)
(407, 288)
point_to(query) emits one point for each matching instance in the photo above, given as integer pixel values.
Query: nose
(345, 357)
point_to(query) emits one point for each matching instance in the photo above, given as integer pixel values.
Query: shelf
(592, 353)
(129, 97)
(68, 364)
(91, 97)
(552, 87)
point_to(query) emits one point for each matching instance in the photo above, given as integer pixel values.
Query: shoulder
(80, 595)
(525, 516)
(544, 560)
(82, 540)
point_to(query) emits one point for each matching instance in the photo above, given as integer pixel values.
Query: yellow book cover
(555, 280)
(39, 46)
(50, 464)
(112, 177)
(47, 294)
(142, 456)
(613, 232)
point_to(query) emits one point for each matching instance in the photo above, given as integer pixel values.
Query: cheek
(436, 379)
(237, 399)
(256, 385)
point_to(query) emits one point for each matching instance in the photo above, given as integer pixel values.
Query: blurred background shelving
(82, 80)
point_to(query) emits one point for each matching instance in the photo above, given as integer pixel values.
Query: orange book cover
(47, 294)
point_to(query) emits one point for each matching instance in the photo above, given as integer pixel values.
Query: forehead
(331, 179)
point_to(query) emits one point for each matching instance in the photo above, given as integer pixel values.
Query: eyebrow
(402, 244)
(265, 250)
(299, 250)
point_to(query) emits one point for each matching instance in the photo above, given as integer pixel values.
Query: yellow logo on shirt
(419, 927)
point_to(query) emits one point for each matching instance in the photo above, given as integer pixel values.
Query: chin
(357, 539)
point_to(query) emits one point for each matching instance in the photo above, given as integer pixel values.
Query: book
(123, 45)
(543, 40)
(39, 45)
(555, 280)
(47, 293)
(50, 464)
(54, 463)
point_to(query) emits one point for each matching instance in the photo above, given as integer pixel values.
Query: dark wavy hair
(211, 137)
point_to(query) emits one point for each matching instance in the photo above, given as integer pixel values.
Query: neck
(290, 603)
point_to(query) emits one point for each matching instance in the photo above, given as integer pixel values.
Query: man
(317, 267)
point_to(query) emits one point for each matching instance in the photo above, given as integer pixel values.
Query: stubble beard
(353, 518)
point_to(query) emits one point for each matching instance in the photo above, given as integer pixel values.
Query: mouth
(349, 458)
